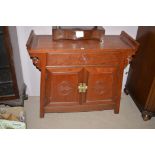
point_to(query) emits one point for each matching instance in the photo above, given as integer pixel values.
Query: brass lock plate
(82, 87)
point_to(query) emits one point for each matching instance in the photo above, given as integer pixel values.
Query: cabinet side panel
(151, 99)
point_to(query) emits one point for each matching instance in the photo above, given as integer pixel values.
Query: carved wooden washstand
(81, 75)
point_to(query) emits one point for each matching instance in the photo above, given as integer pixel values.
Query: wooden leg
(126, 91)
(116, 110)
(42, 87)
(118, 95)
(146, 115)
(41, 114)
(41, 106)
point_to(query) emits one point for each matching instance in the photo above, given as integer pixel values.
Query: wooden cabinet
(141, 78)
(81, 75)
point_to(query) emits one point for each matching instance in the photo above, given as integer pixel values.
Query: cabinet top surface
(43, 43)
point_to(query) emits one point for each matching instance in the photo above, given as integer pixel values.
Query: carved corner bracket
(36, 62)
(128, 60)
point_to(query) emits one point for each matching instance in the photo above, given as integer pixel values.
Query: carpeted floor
(129, 117)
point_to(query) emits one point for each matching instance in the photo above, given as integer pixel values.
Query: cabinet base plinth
(78, 108)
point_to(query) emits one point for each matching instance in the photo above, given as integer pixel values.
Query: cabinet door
(102, 85)
(62, 86)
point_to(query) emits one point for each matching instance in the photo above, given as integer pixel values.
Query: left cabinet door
(61, 86)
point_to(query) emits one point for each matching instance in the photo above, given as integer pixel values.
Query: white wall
(30, 73)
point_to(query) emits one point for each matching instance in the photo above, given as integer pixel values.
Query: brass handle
(82, 87)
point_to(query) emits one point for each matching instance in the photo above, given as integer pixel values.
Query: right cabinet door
(102, 85)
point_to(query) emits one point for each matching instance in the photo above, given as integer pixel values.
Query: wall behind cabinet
(30, 74)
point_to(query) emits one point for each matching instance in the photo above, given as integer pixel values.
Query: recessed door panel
(101, 82)
(62, 86)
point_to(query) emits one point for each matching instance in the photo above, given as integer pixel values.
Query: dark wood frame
(9, 50)
(143, 94)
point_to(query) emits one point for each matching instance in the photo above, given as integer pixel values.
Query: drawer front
(68, 59)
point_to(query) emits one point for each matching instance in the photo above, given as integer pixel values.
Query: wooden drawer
(69, 59)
